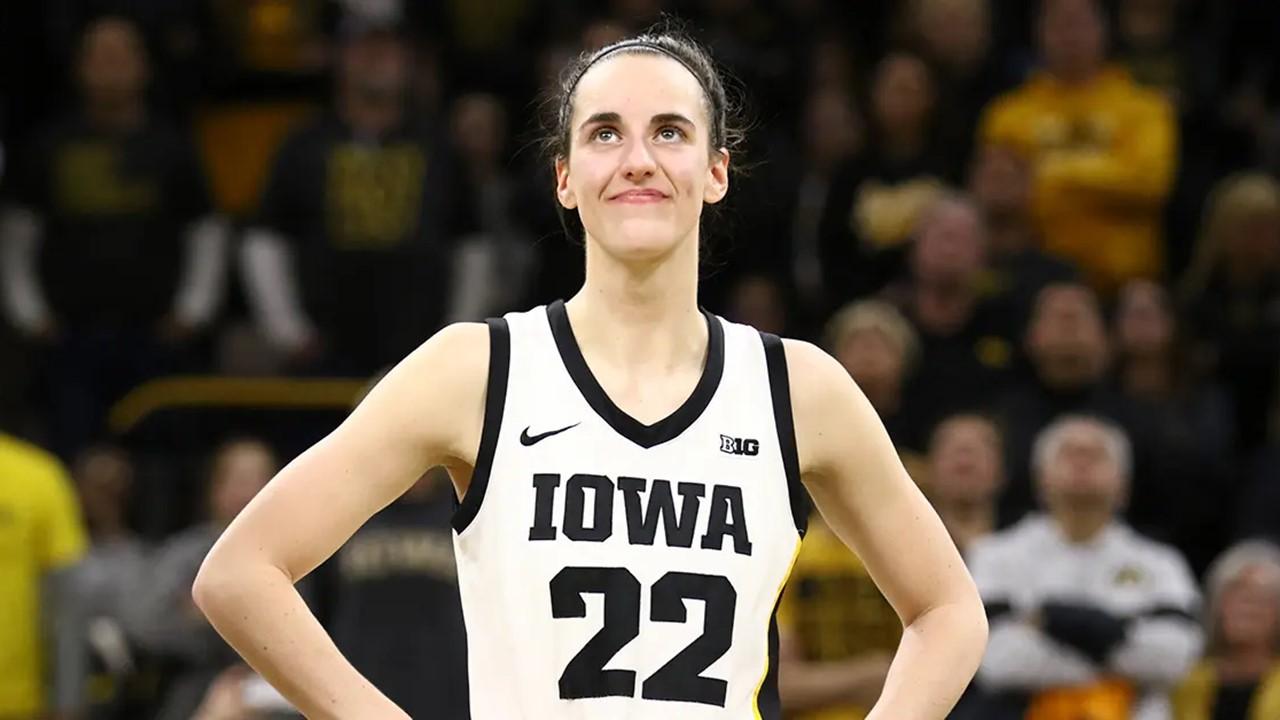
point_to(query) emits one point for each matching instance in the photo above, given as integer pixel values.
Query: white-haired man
(1088, 618)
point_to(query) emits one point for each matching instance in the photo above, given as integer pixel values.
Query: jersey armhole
(780, 390)
(495, 396)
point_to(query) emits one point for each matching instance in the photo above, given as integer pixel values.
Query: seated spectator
(879, 348)
(966, 354)
(112, 254)
(1018, 269)
(107, 580)
(1239, 677)
(42, 660)
(1085, 612)
(1182, 423)
(163, 616)
(964, 476)
(389, 599)
(836, 632)
(1102, 149)
(1231, 297)
(1068, 351)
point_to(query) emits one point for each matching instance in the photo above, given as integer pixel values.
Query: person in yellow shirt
(41, 539)
(1102, 147)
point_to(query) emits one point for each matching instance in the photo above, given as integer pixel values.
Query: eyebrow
(659, 119)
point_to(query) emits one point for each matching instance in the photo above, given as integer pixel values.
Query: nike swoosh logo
(526, 439)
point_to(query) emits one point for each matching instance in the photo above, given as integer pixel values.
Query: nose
(638, 163)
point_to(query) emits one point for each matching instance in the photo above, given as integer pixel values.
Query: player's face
(640, 165)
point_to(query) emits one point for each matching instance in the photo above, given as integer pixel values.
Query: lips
(639, 197)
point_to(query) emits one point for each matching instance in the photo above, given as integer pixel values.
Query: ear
(563, 192)
(717, 178)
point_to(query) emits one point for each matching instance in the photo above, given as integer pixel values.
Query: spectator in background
(965, 354)
(1069, 353)
(1102, 149)
(42, 660)
(347, 264)
(1088, 618)
(758, 301)
(964, 476)
(1184, 424)
(899, 172)
(389, 599)
(1239, 677)
(111, 253)
(955, 39)
(880, 350)
(1231, 296)
(1001, 183)
(111, 573)
(163, 617)
(493, 266)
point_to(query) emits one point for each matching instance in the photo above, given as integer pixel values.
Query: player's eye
(671, 133)
(605, 134)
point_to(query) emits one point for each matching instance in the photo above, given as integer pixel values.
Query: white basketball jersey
(611, 569)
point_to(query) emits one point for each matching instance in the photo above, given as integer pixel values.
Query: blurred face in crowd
(375, 66)
(873, 359)
(1148, 23)
(479, 127)
(1082, 473)
(1066, 339)
(950, 246)
(902, 94)
(831, 127)
(1144, 320)
(830, 64)
(1249, 609)
(1000, 181)
(640, 163)
(1072, 38)
(757, 302)
(1253, 240)
(964, 459)
(957, 32)
(241, 470)
(113, 62)
(104, 477)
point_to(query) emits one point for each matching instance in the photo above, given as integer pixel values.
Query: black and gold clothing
(115, 208)
(832, 608)
(369, 219)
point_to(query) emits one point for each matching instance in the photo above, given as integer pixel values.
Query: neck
(1009, 234)
(1245, 663)
(1077, 77)
(904, 142)
(106, 529)
(1147, 375)
(967, 519)
(1081, 526)
(943, 306)
(115, 115)
(368, 116)
(640, 314)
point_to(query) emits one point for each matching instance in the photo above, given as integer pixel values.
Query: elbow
(214, 583)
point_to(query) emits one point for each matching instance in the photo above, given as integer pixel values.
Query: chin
(642, 239)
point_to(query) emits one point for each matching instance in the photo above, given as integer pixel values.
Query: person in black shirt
(346, 262)
(112, 253)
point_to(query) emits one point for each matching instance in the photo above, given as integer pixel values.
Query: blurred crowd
(1043, 237)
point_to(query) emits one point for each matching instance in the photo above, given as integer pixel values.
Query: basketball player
(633, 470)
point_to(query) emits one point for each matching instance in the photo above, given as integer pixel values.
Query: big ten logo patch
(739, 446)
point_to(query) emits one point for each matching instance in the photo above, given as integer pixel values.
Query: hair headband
(632, 45)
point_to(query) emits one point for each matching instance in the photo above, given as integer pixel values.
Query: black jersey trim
(645, 436)
(495, 396)
(780, 388)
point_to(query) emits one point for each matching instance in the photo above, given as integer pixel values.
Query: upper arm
(854, 475)
(427, 411)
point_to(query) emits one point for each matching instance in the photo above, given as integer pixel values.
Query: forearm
(938, 656)
(258, 612)
(813, 685)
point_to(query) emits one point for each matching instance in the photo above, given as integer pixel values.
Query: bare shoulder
(827, 406)
(435, 394)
